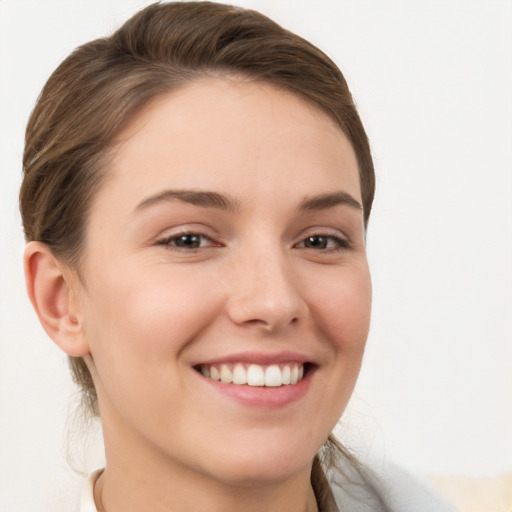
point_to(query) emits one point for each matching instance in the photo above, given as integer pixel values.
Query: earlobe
(50, 290)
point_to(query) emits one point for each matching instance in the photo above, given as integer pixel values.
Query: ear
(50, 286)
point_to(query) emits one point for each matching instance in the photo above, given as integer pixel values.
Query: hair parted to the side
(103, 84)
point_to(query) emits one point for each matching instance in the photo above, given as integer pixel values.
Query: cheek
(344, 309)
(150, 308)
(138, 328)
(341, 311)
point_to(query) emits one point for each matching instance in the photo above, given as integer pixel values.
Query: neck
(138, 477)
(113, 495)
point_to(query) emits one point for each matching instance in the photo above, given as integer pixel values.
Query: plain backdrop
(433, 82)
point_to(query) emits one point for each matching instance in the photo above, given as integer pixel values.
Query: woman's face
(228, 239)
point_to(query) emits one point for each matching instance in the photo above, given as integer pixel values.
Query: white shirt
(87, 503)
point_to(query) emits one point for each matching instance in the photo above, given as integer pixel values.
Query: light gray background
(433, 80)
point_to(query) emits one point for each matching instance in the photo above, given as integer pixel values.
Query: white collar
(87, 503)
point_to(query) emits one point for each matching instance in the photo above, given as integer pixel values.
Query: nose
(265, 291)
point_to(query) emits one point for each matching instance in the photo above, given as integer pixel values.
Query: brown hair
(103, 84)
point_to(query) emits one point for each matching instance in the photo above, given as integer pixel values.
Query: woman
(196, 194)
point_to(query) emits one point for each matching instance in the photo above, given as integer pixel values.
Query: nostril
(256, 321)
(272, 324)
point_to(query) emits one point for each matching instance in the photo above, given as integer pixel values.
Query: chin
(262, 465)
(253, 474)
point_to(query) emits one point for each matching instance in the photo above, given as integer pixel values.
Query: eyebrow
(207, 199)
(328, 200)
(201, 198)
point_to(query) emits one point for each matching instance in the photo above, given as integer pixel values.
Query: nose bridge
(264, 289)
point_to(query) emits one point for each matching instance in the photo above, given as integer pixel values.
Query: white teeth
(295, 375)
(273, 376)
(286, 375)
(214, 373)
(255, 374)
(225, 374)
(239, 374)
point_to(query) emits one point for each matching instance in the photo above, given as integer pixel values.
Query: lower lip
(261, 396)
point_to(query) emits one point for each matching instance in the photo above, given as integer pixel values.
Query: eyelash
(340, 244)
(167, 242)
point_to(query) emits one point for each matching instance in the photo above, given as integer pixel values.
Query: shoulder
(384, 487)
(87, 503)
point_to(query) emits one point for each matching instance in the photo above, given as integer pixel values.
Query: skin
(145, 310)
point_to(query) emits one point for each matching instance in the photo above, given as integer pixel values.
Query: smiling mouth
(240, 374)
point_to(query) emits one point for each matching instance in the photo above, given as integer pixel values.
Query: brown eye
(189, 241)
(323, 242)
(186, 241)
(316, 242)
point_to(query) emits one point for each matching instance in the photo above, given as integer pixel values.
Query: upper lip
(260, 358)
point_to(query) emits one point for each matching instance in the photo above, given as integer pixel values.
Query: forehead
(231, 133)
